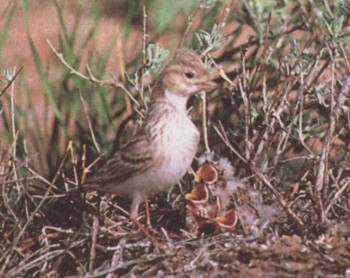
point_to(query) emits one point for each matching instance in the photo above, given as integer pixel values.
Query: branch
(91, 77)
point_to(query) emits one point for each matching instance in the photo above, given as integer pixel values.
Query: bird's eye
(213, 199)
(189, 74)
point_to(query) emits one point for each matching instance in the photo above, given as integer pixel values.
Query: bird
(209, 204)
(163, 148)
(220, 201)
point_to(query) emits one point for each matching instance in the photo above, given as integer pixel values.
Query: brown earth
(221, 255)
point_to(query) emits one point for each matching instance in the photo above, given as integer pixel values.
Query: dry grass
(280, 115)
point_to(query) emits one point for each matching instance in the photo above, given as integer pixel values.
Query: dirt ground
(222, 255)
(231, 256)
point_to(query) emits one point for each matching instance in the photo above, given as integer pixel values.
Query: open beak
(199, 194)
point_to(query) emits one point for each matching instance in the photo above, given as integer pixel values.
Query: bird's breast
(179, 143)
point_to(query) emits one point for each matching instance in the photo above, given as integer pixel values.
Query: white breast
(177, 145)
(180, 140)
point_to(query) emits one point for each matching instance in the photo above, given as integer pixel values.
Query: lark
(164, 146)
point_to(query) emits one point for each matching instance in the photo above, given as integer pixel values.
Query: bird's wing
(133, 158)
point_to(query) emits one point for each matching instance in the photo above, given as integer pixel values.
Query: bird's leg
(134, 215)
(134, 209)
(148, 215)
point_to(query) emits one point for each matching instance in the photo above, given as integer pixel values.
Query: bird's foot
(159, 246)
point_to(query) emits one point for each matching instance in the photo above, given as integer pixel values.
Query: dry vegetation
(280, 117)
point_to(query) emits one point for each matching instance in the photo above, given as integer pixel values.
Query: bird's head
(185, 74)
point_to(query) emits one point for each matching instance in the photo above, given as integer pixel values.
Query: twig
(223, 75)
(91, 77)
(280, 199)
(189, 25)
(144, 56)
(243, 87)
(115, 261)
(74, 163)
(87, 169)
(220, 72)
(12, 248)
(33, 260)
(224, 15)
(37, 208)
(322, 179)
(337, 195)
(65, 155)
(130, 263)
(345, 57)
(89, 122)
(228, 144)
(271, 116)
(257, 172)
(95, 226)
(11, 81)
(83, 165)
(342, 97)
(204, 121)
(300, 126)
(13, 122)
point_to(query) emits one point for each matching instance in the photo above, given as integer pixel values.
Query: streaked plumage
(165, 145)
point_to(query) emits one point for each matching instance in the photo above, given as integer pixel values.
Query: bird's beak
(207, 85)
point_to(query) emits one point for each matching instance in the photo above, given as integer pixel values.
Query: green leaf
(39, 66)
(7, 25)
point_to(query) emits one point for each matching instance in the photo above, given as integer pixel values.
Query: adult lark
(166, 143)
